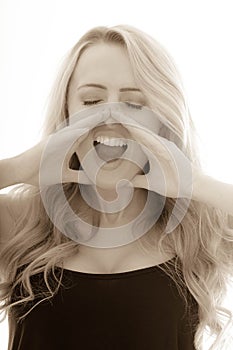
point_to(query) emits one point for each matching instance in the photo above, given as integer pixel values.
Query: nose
(112, 123)
(110, 117)
(110, 120)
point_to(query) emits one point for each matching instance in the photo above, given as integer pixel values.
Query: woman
(152, 291)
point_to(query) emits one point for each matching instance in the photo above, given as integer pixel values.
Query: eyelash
(86, 103)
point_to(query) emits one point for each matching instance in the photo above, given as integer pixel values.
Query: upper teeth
(111, 141)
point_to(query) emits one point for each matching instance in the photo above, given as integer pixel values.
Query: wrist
(199, 185)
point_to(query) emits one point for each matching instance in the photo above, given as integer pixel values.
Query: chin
(106, 175)
(111, 173)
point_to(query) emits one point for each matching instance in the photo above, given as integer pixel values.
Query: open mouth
(109, 153)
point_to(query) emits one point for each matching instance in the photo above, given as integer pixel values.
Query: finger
(76, 129)
(76, 176)
(72, 149)
(139, 181)
(151, 142)
(145, 135)
(88, 118)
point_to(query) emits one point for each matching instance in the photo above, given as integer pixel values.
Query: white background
(35, 35)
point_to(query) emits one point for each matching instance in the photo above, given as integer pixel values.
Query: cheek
(74, 104)
(74, 109)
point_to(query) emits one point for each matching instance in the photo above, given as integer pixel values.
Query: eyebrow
(104, 87)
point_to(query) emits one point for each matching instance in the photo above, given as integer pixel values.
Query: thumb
(139, 181)
(77, 176)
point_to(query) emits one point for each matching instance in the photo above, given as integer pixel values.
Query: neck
(135, 208)
(110, 258)
(115, 207)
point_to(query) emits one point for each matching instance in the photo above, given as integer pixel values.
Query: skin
(109, 65)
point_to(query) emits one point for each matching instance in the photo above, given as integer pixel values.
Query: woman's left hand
(171, 173)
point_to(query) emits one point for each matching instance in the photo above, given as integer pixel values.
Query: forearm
(8, 172)
(214, 192)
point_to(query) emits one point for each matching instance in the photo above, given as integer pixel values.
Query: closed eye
(132, 105)
(91, 102)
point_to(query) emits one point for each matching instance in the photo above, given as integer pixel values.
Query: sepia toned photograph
(116, 175)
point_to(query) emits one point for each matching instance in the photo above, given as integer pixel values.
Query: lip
(110, 165)
(105, 131)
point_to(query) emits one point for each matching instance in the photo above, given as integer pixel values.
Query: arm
(213, 192)
(8, 172)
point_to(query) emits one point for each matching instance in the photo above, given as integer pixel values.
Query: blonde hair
(202, 242)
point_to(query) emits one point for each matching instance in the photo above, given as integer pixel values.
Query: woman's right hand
(28, 163)
(45, 161)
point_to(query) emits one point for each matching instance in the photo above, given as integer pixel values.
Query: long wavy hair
(203, 240)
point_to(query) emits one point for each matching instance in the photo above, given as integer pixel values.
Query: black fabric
(140, 309)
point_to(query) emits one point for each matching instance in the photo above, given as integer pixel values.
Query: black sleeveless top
(139, 309)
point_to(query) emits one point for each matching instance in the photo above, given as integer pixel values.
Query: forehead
(104, 63)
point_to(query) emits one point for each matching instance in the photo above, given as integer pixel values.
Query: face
(108, 66)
